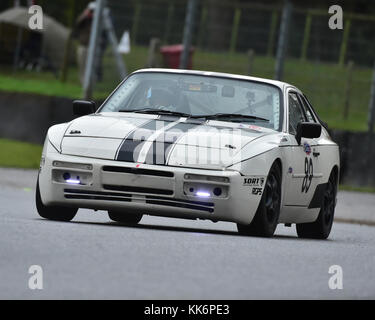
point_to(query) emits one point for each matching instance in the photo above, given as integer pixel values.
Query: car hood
(160, 140)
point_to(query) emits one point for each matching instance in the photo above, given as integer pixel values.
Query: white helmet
(92, 5)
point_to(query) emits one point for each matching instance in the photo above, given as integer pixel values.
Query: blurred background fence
(333, 67)
(235, 26)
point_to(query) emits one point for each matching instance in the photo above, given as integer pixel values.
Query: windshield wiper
(187, 115)
(231, 116)
(157, 111)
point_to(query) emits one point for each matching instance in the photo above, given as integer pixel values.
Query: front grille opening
(200, 203)
(145, 172)
(87, 192)
(75, 194)
(96, 195)
(180, 205)
(91, 197)
(138, 189)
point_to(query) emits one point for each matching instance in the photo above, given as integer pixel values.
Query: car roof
(282, 85)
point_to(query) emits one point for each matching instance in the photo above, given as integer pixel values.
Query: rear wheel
(321, 228)
(55, 213)
(267, 216)
(125, 218)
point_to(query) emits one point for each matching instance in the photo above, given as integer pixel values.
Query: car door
(301, 179)
(318, 153)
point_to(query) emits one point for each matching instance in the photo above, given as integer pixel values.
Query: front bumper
(147, 189)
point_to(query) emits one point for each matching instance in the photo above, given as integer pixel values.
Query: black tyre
(125, 218)
(267, 216)
(321, 228)
(55, 213)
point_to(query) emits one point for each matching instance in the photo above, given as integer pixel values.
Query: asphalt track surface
(94, 258)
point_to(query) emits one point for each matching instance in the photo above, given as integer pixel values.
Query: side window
(296, 114)
(306, 108)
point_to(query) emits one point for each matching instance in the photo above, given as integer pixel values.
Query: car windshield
(214, 98)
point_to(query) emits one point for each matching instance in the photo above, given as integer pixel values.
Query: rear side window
(296, 114)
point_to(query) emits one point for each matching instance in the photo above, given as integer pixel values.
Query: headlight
(72, 177)
(206, 186)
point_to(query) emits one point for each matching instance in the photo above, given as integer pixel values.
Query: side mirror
(83, 108)
(308, 130)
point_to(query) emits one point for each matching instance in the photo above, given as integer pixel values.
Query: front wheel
(321, 228)
(55, 213)
(125, 218)
(267, 216)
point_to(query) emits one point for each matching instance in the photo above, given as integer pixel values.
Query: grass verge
(17, 154)
(324, 83)
(357, 189)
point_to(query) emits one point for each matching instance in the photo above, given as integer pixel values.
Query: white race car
(195, 145)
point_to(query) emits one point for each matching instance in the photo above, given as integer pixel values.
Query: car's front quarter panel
(264, 149)
(49, 153)
(56, 134)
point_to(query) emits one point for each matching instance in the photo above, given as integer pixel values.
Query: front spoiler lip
(148, 199)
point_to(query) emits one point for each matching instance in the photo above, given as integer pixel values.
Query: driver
(162, 99)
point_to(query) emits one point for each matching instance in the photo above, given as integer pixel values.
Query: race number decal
(257, 191)
(309, 173)
(256, 183)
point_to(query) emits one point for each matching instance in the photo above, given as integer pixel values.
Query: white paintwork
(254, 153)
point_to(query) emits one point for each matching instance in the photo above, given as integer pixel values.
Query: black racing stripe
(129, 136)
(129, 151)
(131, 145)
(163, 144)
(158, 153)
